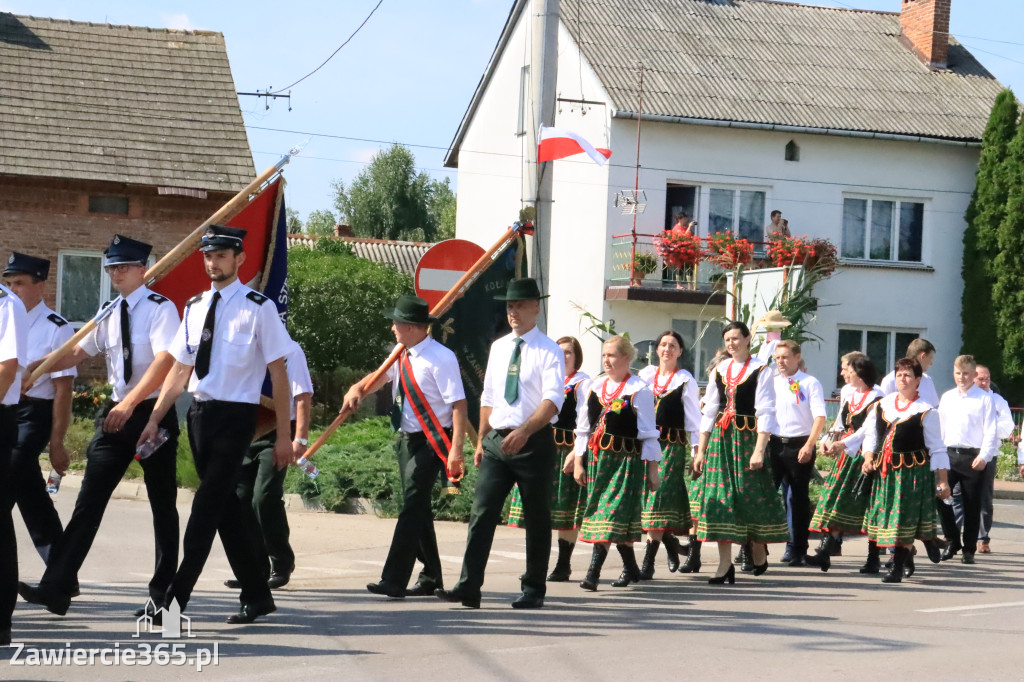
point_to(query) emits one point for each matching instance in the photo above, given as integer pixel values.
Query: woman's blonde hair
(622, 346)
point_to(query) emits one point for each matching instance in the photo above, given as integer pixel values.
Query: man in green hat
(522, 394)
(429, 416)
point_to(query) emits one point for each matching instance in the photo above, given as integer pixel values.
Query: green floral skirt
(568, 498)
(615, 487)
(738, 504)
(844, 498)
(902, 507)
(668, 507)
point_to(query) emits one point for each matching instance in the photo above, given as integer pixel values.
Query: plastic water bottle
(53, 483)
(308, 467)
(151, 445)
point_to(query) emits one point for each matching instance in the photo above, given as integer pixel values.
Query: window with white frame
(882, 229)
(883, 346)
(524, 100)
(702, 338)
(739, 211)
(82, 285)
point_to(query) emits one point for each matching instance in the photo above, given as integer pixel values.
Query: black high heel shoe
(730, 576)
(762, 569)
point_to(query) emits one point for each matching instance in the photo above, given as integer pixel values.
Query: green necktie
(512, 380)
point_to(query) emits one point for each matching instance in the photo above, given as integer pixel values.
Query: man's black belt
(791, 440)
(37, 401)
(419, 435)
(970, 452)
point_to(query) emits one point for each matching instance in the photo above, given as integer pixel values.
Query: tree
(292, 220)
(336, 304)
(441, 204)
(981, 244)
(388, 199)
(321, 222)
(1008, 265)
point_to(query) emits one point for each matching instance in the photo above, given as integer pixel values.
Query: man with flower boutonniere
(800, 417)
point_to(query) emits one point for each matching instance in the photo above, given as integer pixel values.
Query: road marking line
(1005, 605)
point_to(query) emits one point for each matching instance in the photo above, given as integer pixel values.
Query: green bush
(359, 462)
(89, 398)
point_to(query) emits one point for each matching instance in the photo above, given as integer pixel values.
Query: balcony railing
(653, 272)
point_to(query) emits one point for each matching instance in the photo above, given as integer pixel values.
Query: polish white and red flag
(559, 143)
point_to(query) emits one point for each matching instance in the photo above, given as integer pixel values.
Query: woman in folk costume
(677, 415)
(844, 498)
(617, 436)
(902, 442)
(738, 500)
(568, 498)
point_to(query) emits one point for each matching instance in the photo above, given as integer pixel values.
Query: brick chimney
(924, 28)
(343, 231)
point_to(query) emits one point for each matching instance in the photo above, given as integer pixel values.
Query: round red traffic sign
(442, 266)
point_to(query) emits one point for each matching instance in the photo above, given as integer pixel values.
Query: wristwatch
(302, 441)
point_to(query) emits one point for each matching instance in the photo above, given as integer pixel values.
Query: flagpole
(446, 302)
(174, 257)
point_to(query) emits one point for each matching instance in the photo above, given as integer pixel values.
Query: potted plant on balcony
(725, 250)
(680, 249)
(643, 265)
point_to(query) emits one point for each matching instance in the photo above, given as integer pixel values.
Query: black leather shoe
(456, 596)
(934, 551)
(798, 561)
(872, 565)
(5, 637)
(909, 567)
(250, 612)
(951, 551)
(762, 569)
(967, 558)
(729, 577)
(526, 601)
(278, 580)
(54, 604)
(153, 612)
(748, 559)
(233, 584)
(421, 590)
(386, 589)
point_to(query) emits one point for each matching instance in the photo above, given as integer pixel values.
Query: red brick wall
(925, 26)
(41, 216)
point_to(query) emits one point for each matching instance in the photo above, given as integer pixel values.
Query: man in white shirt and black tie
(970, 430)
(230, 337)
(800, 417)
(1005, 425)
(523, 392)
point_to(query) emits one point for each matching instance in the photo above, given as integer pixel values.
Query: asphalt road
(949, 622)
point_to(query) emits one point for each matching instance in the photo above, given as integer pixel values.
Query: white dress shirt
(926, 391)
(1004, 415)
(690, 397)
(247, 336)
(47, 331)
(795, 412)
(643, 404)
(152, 320)
(866, 438)
(969, 421)
(436, 370)
(541, 377)
(13, 340)
(299, 379)
(764, 399)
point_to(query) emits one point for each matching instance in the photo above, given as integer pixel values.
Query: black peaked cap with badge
(524, 289)
(22, 264)
(125, 250)
(411, 310)
(219, 237)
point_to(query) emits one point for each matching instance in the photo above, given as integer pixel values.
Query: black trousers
(532, 469)
(971, 485)
(28, 487)
(8, 542)
(786, 468)
(108, 457)
(414, 538)
(220, 433)
(261, 492)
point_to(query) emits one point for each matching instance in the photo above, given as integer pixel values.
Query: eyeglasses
(120, 268)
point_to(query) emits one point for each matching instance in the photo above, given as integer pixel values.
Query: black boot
(562, 569)
(672, 551)
(934, 551)
(647, 570)
(748, 559)
(908, 566)
(630, 571)
(594, 572)
(741, 556)
(899, 560)
(822, 558)
(692, 564)
(873, 564)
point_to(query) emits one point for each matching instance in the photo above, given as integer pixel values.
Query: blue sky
(408, 75)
